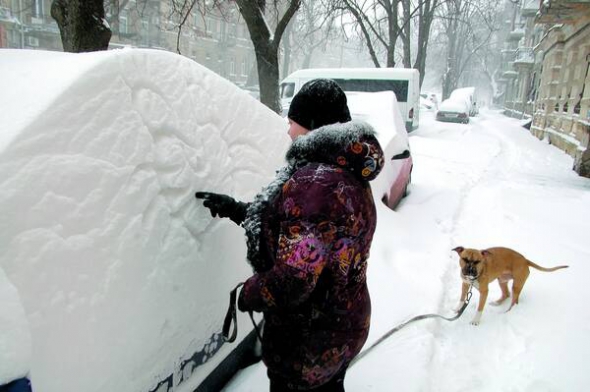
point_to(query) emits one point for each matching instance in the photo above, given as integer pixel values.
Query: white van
(404, 82)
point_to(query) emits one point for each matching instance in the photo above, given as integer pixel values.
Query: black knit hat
(319, 102)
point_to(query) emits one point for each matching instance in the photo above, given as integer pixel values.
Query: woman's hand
(223, 206)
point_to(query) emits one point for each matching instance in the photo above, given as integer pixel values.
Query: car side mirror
(403, 155)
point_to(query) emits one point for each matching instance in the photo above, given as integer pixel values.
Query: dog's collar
(469, 280)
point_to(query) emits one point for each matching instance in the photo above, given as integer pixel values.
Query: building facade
(520, 72)
(562, 106)
(27, 24)
(546, 66)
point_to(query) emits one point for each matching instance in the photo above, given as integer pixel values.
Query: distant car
(469, 95)
(430, 99)
(381, 111)
(426, 104)
(453, 110)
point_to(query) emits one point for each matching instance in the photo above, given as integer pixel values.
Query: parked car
(453, 110)
(381, 111)
(467, 94)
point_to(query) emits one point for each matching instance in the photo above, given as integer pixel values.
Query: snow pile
(15, 338)
(123, 275)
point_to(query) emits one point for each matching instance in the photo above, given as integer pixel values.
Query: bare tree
(377, 21)
(312, 28)
(420, 14)
(266, 43)
(82, 25)
(468, 25)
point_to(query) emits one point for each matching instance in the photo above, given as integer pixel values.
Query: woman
(309, 234)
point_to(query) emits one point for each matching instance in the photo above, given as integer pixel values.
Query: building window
(221, 30)
(232, 67)
(244, 68)
(578, 105)
(39, 8)
(123, 24)
(210, 26)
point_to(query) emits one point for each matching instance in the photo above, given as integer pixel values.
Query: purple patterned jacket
(309, 235)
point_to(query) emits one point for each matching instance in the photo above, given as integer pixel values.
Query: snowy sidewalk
(489, 183)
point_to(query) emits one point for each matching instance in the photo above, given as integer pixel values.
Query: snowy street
(489, 183)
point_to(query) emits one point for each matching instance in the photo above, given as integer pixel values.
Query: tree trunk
(426, 16)
(286, 52)
(392, 30)
(451, 74)
(268, 78)
(81, 24)
(266, 47)
(407, 33)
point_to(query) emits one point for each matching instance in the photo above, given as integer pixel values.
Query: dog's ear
(459, 250)
(485, 253)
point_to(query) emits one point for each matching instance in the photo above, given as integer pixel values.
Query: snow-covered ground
(489, 183)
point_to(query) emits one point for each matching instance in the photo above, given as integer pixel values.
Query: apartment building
(28, 24)
(562, 106)
(521, 73)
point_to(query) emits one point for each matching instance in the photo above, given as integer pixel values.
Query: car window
(287, 90)
(399, 87)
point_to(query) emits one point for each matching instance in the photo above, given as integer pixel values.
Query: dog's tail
(537, 266)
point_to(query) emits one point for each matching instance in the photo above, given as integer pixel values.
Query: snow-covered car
(382, 112)
(254, 91)
(453, 110)
(468, 95)
(101, 234)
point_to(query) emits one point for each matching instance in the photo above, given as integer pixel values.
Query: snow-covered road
(489, 183)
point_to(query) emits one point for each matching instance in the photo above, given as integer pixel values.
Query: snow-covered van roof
(372, 73)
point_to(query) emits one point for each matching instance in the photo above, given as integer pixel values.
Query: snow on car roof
(453, 105)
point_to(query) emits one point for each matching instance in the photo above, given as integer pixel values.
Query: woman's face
(296, 130)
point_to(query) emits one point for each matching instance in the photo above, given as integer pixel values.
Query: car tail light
(411, 114)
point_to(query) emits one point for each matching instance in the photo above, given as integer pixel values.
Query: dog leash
(363, 353)
(231, 317)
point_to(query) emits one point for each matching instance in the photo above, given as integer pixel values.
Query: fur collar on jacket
(351, 145)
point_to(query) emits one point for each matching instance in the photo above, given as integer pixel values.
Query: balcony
(525, 57)
(515, 35)
(529, 8)
(508, 75)
(561, 11)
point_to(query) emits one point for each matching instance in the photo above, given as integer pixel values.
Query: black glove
(223, 206)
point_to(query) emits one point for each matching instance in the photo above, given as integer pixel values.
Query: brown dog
(479, 268)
